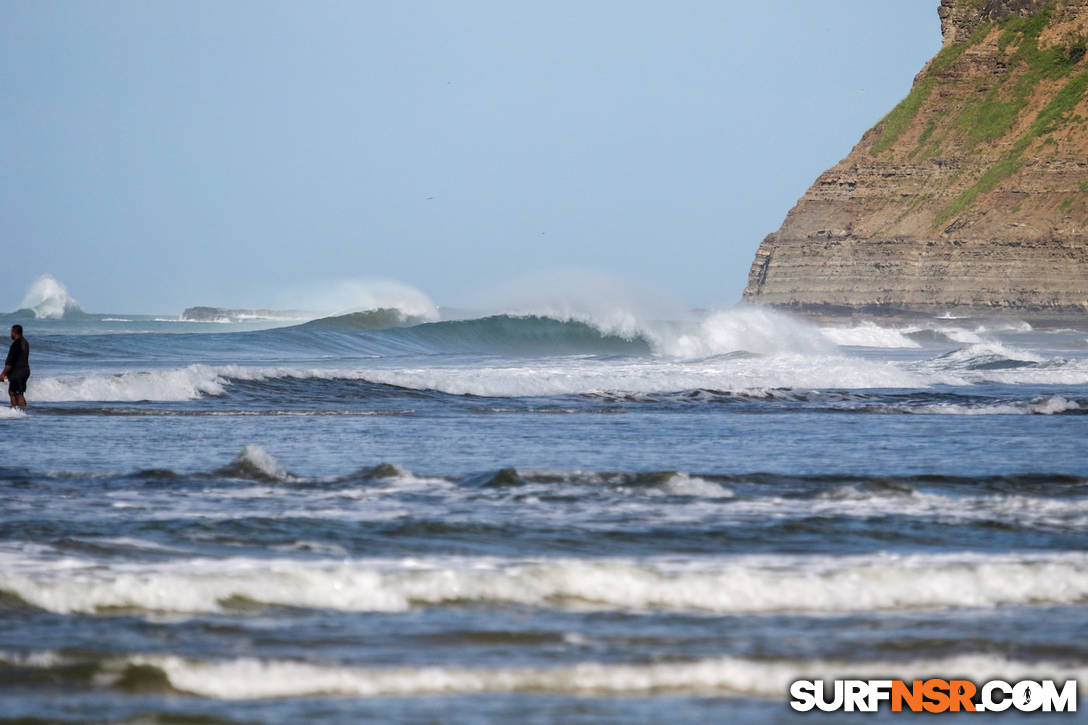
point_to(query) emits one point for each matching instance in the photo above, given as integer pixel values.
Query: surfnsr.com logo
(933, 695)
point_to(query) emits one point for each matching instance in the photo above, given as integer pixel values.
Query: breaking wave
(739, 330)
(831, 383)
(564, 377)
(989, 356)
(256, 464)
(188, 383)
(250, 678)
(869, 334)
(48, 299)
(723, 585)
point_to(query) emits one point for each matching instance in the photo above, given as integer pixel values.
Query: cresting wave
(254, 679)
(721, 585)
(742, 328)
(256, 464)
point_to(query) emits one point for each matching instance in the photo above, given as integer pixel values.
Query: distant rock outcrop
(222, 314)
(972, 194)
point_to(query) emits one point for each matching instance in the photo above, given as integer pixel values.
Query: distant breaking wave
(523, 335)
(742, 329)
(48, 299)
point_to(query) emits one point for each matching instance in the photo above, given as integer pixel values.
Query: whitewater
(542, 510)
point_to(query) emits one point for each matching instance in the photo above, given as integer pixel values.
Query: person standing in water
(17, 367)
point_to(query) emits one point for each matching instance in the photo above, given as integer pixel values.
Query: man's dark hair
(17, 328)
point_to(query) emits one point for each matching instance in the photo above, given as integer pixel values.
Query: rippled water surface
(528, 519)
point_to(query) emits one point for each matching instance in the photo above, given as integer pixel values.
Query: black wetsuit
(19, 360)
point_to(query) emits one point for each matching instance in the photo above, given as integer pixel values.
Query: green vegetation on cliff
(1048, 121)
(901, 117)
(986, 114)
(971, 194)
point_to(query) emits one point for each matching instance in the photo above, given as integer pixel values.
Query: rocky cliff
(971, 194)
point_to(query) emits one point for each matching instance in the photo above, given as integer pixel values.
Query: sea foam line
(537, 378)
(580, 376)
(727, 585)
(253, 679)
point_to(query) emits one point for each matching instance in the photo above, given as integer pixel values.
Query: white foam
(173, 384)
(683, 484)
(741, 329)
(1006, 326)
(588, 376)
(983, 363)
(254, 460)
(696, 365)
(619, 309)
(984, 351)
(868, 335)
(48, 298)
(727, 585)
(1067, 513)
(1050, 405)
(960, 335)
(566, 376)
(12, 413)
(250, 678)
(612, 306)
(558, 376)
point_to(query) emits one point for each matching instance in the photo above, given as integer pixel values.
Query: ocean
(515, 518)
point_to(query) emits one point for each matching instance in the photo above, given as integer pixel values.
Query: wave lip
(383, 318)
(254, 463)
(526, 334)
(815, 585)
(549, 333)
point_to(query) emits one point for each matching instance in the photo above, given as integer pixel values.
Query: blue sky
(167, 154)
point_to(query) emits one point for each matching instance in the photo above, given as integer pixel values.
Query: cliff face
(971, 194)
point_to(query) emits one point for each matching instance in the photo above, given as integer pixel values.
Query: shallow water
(535, 520)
